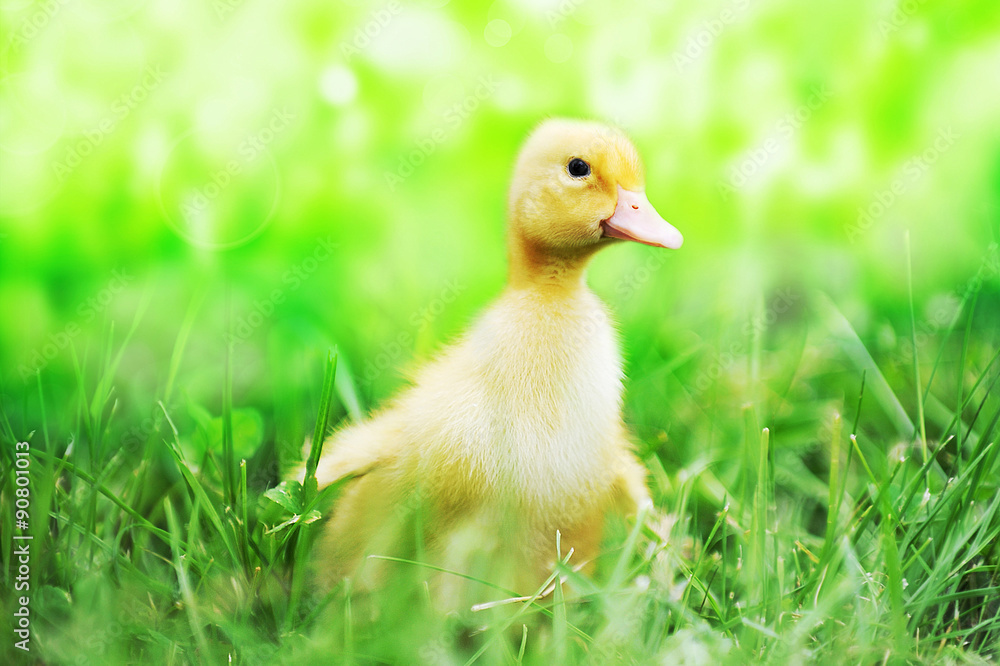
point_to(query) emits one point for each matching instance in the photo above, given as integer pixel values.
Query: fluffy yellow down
(514, 432)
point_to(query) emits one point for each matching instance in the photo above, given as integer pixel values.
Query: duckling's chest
(547, 398)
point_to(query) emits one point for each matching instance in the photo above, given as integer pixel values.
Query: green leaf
(288, 495)
(308, 518)
(311, 517)
(53, 603)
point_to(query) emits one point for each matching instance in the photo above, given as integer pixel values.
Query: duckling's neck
(532, 267)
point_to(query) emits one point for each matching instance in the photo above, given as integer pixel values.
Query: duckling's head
(578, 186)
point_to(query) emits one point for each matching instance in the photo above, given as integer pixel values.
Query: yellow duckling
(515, 432)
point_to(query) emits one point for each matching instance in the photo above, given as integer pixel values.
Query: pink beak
(635, 219)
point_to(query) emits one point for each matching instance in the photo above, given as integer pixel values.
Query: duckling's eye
(578, 168)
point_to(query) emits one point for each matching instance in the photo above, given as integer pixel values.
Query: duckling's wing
(355, 451)
(342, 462)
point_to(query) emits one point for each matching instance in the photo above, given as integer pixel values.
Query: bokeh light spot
(418, 42)
(338, 85)
(497, 32)
(216, 196)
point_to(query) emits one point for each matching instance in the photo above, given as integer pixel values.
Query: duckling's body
(513, 433)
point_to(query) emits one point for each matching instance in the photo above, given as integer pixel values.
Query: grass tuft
(781, 532)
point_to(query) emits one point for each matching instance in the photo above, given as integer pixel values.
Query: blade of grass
(970, 396)
(310, 489)
(559, 632)
(183, 334)
(501, 630)
(961, 373)
(835, 497)
(90, 480)
(310, 484)
(760, 512)
(621, 565)
(190, 603)
(228, 460)
(198, 490)
(41, 407)
(894, 578)
(244, 526)
(916, 355)
(842, 331)
(511, 594)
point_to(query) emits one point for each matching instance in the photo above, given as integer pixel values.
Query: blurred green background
(299, 174)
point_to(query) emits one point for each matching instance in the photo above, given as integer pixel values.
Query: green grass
(800, 516)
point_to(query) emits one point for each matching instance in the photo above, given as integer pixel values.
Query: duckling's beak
(635, 219)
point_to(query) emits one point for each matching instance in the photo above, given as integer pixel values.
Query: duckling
(514, 433)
